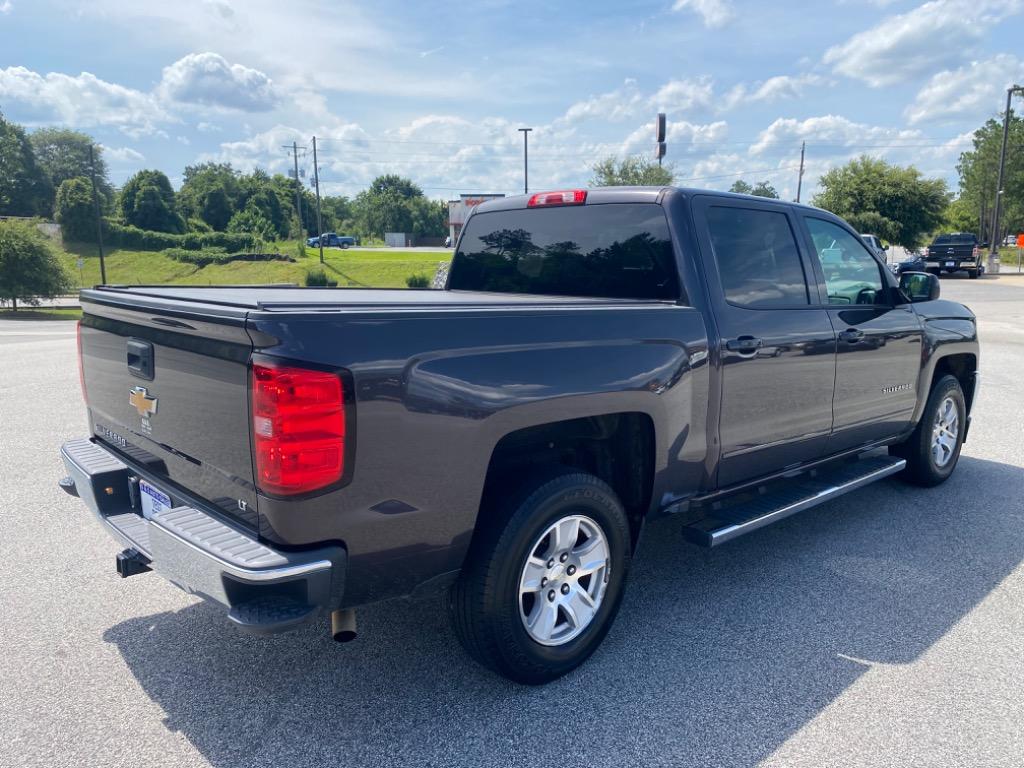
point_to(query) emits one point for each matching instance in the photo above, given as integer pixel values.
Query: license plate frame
(152, 499)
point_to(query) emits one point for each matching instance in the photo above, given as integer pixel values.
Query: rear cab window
(609, 250)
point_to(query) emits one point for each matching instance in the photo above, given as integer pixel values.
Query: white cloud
(973, 91)
(123, 154)
(829, 130)
(771, 90)
(937, 33)
(681, 95)
(81, 101)
(206, 127)
(620, 104)
(209, 80)
(6, 6)
(716, 13)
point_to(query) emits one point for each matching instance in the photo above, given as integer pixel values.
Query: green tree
(761, 189)
(29, 269)
(337, 214)
(895, 203)
(217, 209)
(258, 193)
(74, 210)
(147, 201)
(394, 204)
(960, 217)
(392, 182)
(253, 221)
(630, 171)
(979, 168)
(202, 181)
(25, 190)
(429, 217)
(64, 154)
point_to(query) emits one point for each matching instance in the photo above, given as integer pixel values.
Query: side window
(852, 274)
(757, 257)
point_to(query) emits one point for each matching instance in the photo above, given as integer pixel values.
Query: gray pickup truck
(599, 357)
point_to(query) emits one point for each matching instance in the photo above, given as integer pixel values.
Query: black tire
(922, 468)
(973, 274)
(485, 603)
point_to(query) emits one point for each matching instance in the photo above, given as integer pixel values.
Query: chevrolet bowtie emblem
(143, 403)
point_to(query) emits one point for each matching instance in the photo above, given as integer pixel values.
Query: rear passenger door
(777, 345)
(878, 358)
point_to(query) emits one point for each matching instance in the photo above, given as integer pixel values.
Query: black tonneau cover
(269, 298)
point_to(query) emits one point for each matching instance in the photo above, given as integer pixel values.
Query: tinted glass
(955, 239)
(612, 251)
(852, 275)
(758, 260)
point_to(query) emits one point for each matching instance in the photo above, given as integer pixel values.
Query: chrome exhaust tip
(343, 625)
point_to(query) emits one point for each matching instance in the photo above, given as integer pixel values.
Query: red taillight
(562, 197)
(926, 252)
(298, 427)
(974, 252)
(81, 362)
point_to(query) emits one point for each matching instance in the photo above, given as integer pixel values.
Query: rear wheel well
(962, 367)
(618, 448)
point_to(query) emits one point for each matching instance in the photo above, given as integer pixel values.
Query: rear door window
(620, 250)
(758, 259)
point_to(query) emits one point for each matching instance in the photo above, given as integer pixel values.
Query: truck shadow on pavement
(717, 657)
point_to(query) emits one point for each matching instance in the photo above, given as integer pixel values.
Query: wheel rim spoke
(543, 620)
(592, 554)
(579, 608)
(535, 570)
(566, 532)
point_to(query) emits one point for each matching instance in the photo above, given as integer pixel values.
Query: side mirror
(919, 286)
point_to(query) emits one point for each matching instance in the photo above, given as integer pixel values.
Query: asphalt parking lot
(883, 629)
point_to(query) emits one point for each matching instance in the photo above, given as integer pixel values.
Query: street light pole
(526, 167)
(993, 252)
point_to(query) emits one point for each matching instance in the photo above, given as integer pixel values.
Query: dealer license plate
(950, 263)
(153, 499)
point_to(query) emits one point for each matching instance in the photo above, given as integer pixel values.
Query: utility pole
(800, 178)
(99, 219)
(298, 187)
(319, 221)
(993, 251)
(526, 168)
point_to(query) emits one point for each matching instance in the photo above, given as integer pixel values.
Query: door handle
(744, 345)
(851, 335)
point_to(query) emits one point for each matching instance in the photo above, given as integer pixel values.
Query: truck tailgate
(167, 385)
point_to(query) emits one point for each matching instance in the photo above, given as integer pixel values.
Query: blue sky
(436, 91)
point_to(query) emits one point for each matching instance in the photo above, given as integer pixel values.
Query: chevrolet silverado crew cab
(598, 358)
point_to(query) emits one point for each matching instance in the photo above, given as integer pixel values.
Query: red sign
(1020, 240)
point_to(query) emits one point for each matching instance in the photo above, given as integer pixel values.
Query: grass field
(352, 267)
(40, 314)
